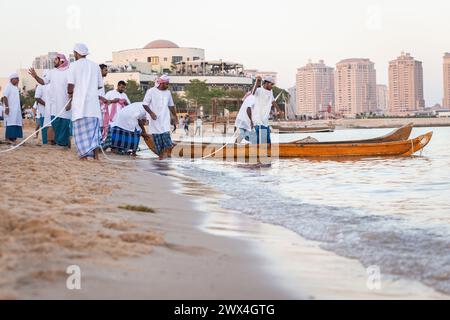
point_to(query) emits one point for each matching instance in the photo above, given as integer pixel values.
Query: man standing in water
(85, 81)
(163, 112)
(264, 102)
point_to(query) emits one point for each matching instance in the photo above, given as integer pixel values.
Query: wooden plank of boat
(400, 134)
(245, 152)
(292, 130)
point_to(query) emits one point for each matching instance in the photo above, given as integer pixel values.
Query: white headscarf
(82, 49)
(14, 76)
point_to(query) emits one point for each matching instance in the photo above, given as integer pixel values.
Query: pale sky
(268, 35)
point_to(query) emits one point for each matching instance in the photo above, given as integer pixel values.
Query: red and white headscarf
(162, 79)
(65, 63)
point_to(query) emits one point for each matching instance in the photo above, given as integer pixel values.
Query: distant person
(57, 80)
(264, 102)
(162, 109)
(103, 101)
(181, 123)
(244, 121)
(41, 98)
(199, 127)
(12, 109)
(128, 127)
(85, 79)
(187, 121)
(1, 111)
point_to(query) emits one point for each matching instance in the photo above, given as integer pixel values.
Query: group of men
(253, 118)
(71, 97)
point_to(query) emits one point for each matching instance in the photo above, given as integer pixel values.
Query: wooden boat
(235, 152)
(400, 134)
(292, 130)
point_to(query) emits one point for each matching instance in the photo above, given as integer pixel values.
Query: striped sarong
(86, 132)
(162, 142)
(124, 140)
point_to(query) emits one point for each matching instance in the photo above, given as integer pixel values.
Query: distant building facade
(314, 89)
(161, 56)
(292, 110)
(382, 98)
(355, 87)
(253, 73)
(406, 93)
(446, 102)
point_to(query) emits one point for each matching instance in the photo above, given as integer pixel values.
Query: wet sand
(56, 211)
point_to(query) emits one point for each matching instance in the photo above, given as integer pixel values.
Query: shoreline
(190, 248)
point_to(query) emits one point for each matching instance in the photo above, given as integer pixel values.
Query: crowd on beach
(71, 102)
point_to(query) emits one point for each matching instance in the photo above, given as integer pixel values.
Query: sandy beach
(56, 212)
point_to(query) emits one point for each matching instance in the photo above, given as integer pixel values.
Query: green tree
(198, 92)
(27, 98)
(134, 91)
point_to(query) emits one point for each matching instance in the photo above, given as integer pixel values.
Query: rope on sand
(37, 131)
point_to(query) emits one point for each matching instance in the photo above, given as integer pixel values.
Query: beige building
(447, 81)
(314, 89)
(406, 94)
(161, 55)
(253, 73)
(382, 98)
(356, 83)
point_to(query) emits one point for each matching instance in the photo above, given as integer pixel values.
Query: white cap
(82, 49)
(14, 76)
(269, 79)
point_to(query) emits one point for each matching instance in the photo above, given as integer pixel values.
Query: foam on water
(393, 213)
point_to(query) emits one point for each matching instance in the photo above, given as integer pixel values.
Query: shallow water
(393, 213)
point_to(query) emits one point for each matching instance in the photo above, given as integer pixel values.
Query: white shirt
(128, 117)
(58, 96)
(243, 120)
(263, 105)
(39, 94)
(87, 78)
(199, 123)
(15, 111)
(112, 95)
(159, 102)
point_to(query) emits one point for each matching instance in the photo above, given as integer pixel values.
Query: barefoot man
(13, 109)
(163, 112)
(57, 80)
(85, 81)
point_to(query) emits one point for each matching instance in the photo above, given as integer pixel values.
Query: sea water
(390, 212)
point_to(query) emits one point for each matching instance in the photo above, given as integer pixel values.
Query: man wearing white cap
(12, 109)
(85, 81)
(264, 102)
(163, 112)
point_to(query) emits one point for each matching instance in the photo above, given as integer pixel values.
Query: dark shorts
(263, 135)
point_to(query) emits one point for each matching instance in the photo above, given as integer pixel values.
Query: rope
(38, 131)
(235, 136)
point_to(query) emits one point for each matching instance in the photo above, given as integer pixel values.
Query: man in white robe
(12, 110)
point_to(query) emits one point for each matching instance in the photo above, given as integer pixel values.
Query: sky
(268, 35)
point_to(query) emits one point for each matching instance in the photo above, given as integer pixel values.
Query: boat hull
(235, 152)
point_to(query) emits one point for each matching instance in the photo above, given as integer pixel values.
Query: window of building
(177, 59)
(153, 60)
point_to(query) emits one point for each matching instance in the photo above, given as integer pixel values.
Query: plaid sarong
(86, 132)
(162, 142)
(107, 141)
(125, 140)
